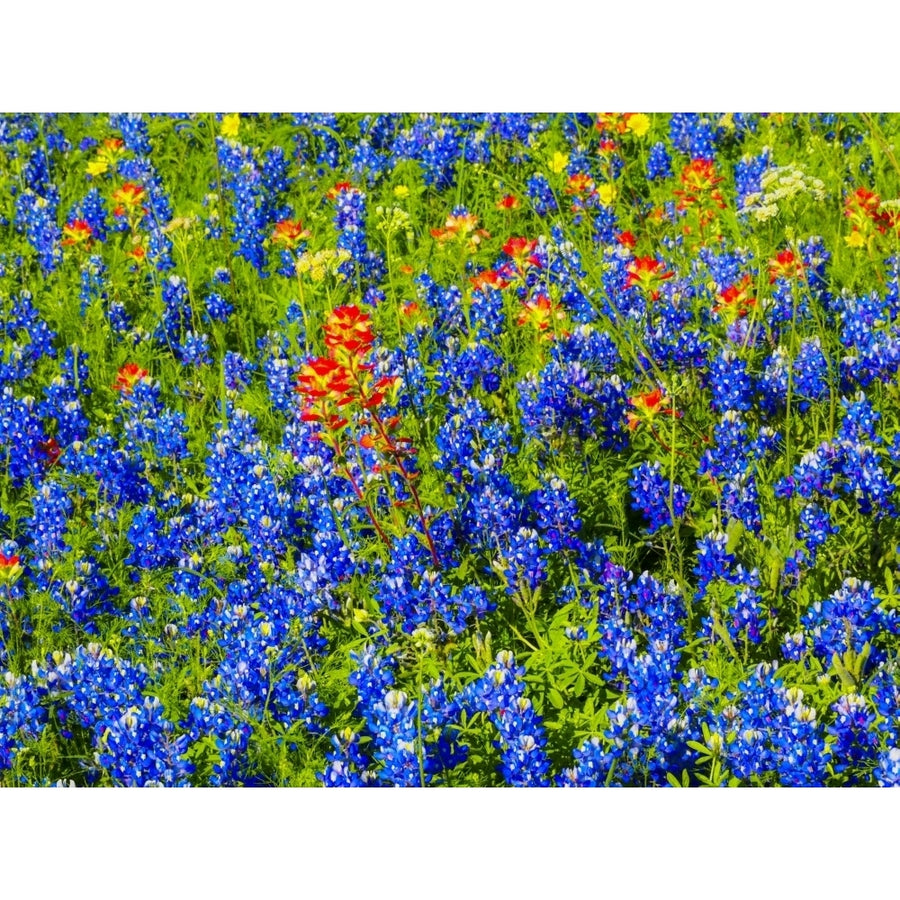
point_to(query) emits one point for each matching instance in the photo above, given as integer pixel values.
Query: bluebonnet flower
(726, 459)
(540, 193)
(815, 526)
(748, 172)
(500, 693)
(847, 620)
(656, 496)
(693, 134)
(523, 561)
(316, 138)
(134, 131)
(732, 387)
(217, 307)
(887, 772)
(23, 716)
(659, 163)
(36, 219)
(855, 739)
(768, 732)
(566, 399)
(556, 514)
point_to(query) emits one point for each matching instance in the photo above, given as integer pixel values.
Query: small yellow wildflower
(639, 124)
(97, 167)
(401, 191)
(231, 125)
(607, 193)
(558, 162)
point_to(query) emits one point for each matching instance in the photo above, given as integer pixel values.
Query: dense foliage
(449, 449)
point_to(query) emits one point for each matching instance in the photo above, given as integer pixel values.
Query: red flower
(128, 376)
(698, 183)
(647, 273)
(77, 234)
(736, 300)
(48, 452)
(488, 279)
(626, 239)
(10, 569)
(539, 311)
(649, 405)
(785, 265)
(508, 202)
(128, 197)
(288, 234)
(462, 227)
(579, 184)
(522, 252)
(339, 188)
(347, 328)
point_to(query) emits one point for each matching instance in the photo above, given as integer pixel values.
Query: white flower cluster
(778, 185)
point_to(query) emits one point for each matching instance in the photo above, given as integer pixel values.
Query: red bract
(289, 234)
(48, 452)
(10, 569)
(347, 328)
(128, 376)
(77, 234)
(698, 189)
(522, 252)
(646, 273)
(785, 265)
(737, 299)
(488, 279)
(129, 196)
(339, 188)
(580, 184)
(649, 405)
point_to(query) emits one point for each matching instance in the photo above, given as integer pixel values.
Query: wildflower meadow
(449, 450)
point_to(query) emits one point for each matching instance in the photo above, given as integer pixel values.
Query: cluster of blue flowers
(611, 501)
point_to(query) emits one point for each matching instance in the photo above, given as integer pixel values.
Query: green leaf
(556, 698)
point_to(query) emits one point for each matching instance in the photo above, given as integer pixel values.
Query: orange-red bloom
(736, 300)
(488, 279)
(463, 227)
(341, 186)
(77, 234)
(522, 252)
(580, 184)
(348, 329)
(288, 234)
(863, 209)
(10, 568)
(785, 265)
(48, 452)
(128, 376)
(699, 189)
(128, 198)
(649, 405)
(508, 202)
(647, 273)
(539, 312)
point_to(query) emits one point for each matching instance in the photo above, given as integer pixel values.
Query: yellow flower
(855, 239)
(97, 167)
(558, 162)
(401, 191)
(639, 124)
(607, 193)
(231, 125)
